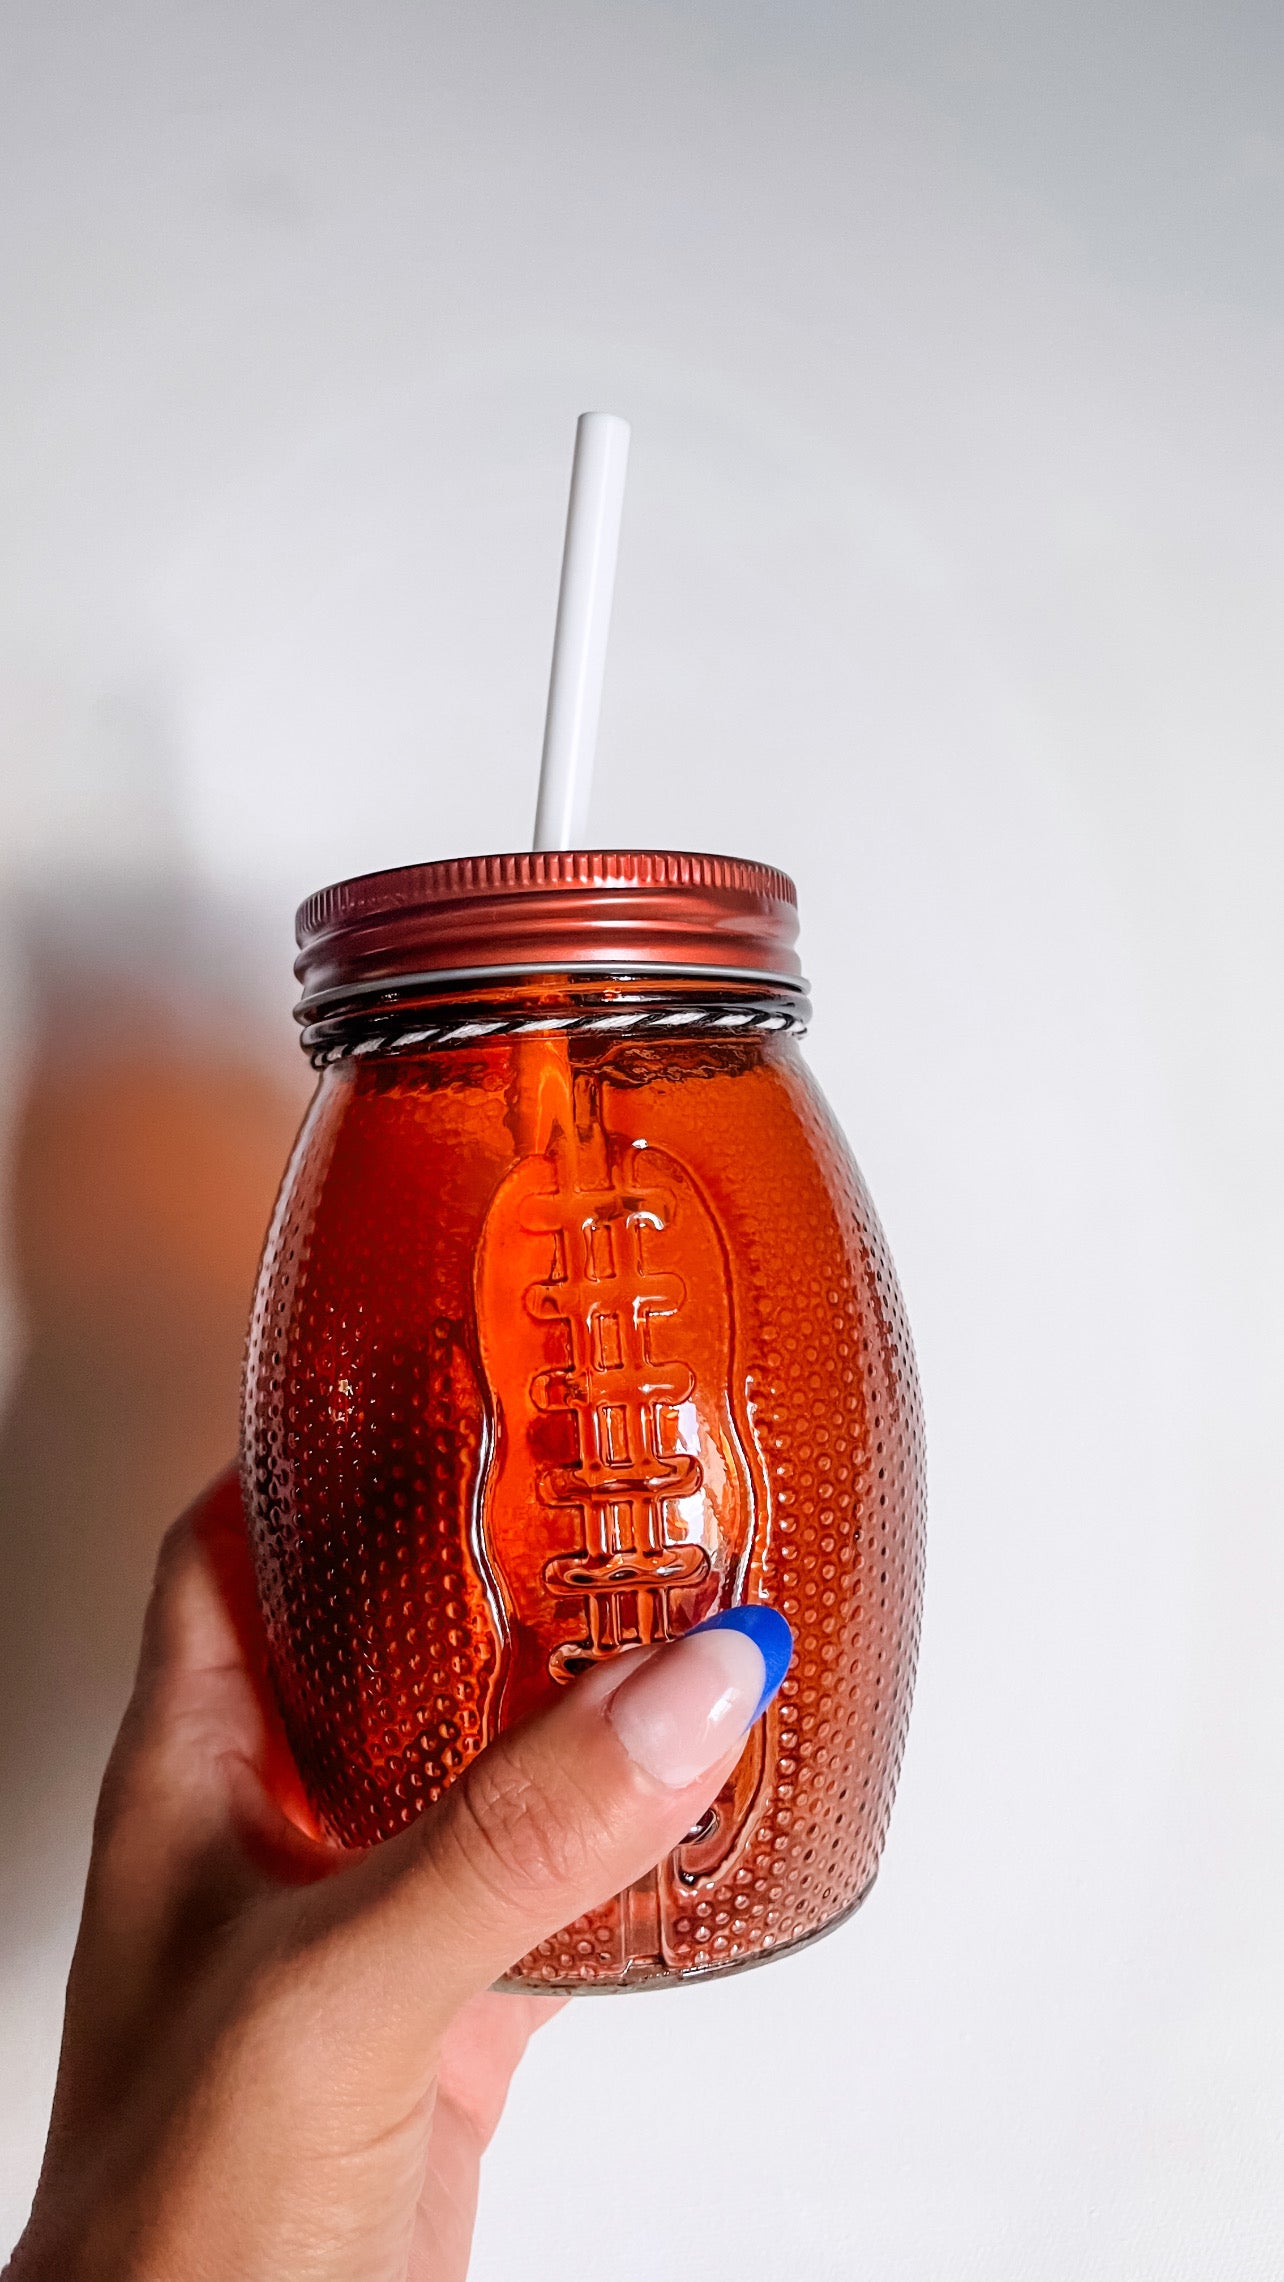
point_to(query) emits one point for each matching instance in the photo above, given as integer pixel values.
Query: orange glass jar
(575, 1324)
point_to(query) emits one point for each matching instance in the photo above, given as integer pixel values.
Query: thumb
(550, 1821)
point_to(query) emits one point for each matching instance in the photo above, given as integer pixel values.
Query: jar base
(644, 1981)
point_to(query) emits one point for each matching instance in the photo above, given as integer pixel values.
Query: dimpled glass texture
(560, 1345)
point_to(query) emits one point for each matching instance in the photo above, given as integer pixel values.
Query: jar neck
(416, 1016)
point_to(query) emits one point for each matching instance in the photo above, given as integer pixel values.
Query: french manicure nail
(769, 1631)
(684, 1709)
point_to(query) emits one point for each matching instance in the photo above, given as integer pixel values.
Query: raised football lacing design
(622, 1481)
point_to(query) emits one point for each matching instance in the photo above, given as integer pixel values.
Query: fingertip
(218, 1512)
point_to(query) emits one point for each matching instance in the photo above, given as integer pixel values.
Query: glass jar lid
(609, 911)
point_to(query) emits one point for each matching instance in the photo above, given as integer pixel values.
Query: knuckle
(522, 1831)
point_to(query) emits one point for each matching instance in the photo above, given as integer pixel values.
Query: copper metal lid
(597, 911)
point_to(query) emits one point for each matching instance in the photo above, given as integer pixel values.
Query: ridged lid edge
(459, 877)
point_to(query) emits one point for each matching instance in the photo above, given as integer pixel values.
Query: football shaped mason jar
(576, 1325)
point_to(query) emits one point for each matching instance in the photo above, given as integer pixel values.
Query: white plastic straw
(583, 624)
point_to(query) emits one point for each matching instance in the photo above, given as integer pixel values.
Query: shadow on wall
(147, 1152)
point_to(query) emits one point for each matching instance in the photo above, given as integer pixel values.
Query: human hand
(280, 2061)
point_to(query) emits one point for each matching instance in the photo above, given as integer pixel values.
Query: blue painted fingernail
(770, 1633)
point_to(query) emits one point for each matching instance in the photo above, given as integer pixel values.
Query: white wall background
(953, 568)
